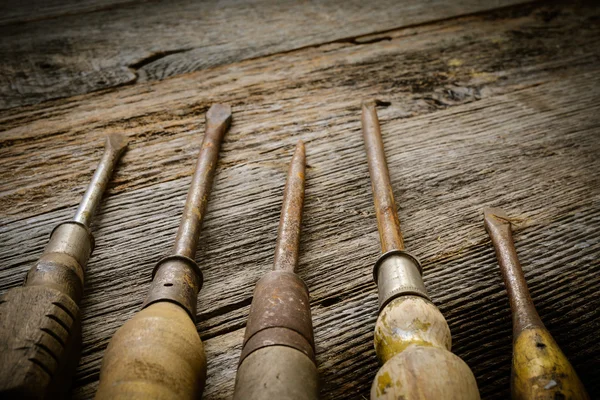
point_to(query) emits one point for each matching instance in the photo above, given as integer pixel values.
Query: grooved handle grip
(155, 355)
(40, 341)
(412, 341)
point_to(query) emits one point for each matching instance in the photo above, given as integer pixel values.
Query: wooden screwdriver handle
(40, 330)
(40, 322)
(540, 370)
(412, 341)
(157, 354)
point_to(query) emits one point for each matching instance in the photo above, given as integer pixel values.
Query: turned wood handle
(413, 342)
(155, 355)
(40, 340)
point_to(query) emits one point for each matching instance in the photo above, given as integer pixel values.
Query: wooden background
(490, 103)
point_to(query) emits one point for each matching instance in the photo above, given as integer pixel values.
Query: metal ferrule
(177, 279)
(398, 273)
(280, 315)
(64, 260)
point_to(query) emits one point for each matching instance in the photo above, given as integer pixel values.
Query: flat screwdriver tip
(116, 142)
(495, 218)
(370, 103)
(489, 212)
(219, 116)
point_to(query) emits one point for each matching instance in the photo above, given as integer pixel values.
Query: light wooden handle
(412, 341)
(155, 355)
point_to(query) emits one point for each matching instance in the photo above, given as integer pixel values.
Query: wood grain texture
(148, 40)
(500, 109)
(419, 70)
(12, 12)
(442, 225)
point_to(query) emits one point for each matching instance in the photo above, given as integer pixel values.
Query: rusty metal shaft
(218, 119)
(288, 235)
(177, 278)
(499, 228)
(280, 311)
(278, 353)
(385, 207)
(115, 146)
(397, 273)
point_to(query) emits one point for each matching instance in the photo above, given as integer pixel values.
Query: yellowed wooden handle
(412, 340)
(155, 355)
(540, 369)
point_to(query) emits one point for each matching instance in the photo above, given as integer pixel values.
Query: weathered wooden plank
(75, 54)
(316, 89)
(32, 10)
(531, 151)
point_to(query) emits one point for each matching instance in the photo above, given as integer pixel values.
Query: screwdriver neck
(524, 313)
(385, 206)
(91, 199)
(188, 234)
(288, 235)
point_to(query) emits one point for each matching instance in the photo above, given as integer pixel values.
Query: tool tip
(219, 114)
(299, 153)
(493, 216)
(372, 103)
(116, 141)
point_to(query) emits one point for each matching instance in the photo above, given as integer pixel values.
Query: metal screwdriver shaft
(288, 234)
(412, 338)
(385, 207)
(115, 146)
(278, 355)
(40, 323)
(218, 120)
(158, 353)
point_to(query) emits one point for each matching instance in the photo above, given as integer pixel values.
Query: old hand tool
(412, 338)
(158, 354)
(540, 370)
(40, 322)
(278, 355)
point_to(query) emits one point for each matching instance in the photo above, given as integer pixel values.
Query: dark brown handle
(40, 341)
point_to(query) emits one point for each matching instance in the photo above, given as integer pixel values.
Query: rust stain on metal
(385, 207)
(498, 227)
(288, 235)
(172, 280)
(280, 312)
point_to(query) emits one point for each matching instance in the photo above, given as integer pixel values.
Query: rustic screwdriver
(40, 322)
(158, 354)
(540, 370)
(278, 355)
(412, 338)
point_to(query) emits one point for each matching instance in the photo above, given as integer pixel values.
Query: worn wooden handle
(541, 371)
(155, 355)
(412, 340)
(40, 339)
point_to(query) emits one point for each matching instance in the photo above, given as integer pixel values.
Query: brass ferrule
(398, 273)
